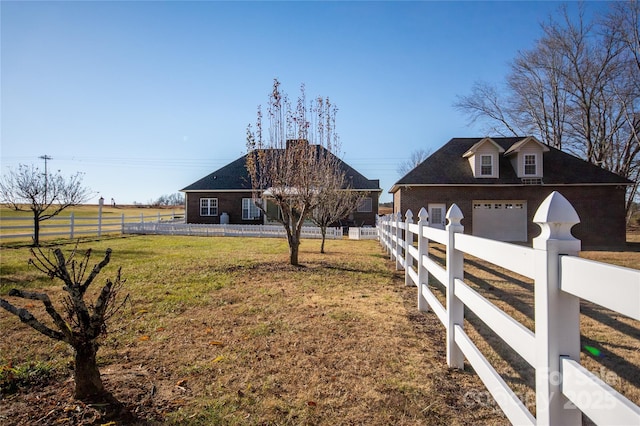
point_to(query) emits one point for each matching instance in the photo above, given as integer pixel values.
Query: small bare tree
(80, 324)
(417, 157)
(290, 165)
(45, 194)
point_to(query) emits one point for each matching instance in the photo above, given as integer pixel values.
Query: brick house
(498, 183)
(225, 196)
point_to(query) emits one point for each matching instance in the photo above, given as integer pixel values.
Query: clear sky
(145, 98)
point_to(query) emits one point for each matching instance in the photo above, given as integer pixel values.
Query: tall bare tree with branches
(291, 162)
(577, 90)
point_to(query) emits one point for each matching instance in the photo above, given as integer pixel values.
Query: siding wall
(600, 208)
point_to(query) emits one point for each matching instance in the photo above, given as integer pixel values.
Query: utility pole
(46, 176)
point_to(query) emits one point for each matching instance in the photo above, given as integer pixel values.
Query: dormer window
(530, 165)
(527, 158)
(486, 165)
(483, 158)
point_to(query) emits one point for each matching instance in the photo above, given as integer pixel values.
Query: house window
(486, 165)
(436, 216)
(249, 209)
(208, 207)
(365, 206)
(530, 165)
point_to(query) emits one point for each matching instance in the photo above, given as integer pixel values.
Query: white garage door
(500, 220)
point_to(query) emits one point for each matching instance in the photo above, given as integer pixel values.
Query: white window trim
(209, 206)
(249, 209)
(493, 166)
(524, 164)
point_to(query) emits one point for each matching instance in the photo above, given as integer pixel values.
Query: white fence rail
(73, 226)
(363, 233)
(564, 389)
(208, 230)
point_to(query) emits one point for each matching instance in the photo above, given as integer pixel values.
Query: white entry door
(437, 214)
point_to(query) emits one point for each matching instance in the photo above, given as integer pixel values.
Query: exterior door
(437, 214)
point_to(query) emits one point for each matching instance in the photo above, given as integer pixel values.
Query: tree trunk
(36, 231)
(89, 387)
(323, 231)
(294, 245)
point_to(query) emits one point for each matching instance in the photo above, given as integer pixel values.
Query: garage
(502, 220)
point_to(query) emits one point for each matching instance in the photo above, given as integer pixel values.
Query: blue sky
(145, 98)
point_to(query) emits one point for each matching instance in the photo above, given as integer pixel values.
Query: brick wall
(231, 203)
(228, 202)
(601, 208)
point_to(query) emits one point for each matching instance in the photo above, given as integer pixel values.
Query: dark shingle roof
(234, 176)
(446, 166)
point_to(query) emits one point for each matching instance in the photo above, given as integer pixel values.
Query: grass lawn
(223, 331)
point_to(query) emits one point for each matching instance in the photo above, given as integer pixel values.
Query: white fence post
(398, 239)
(408, 241)
(71, 224)
(100, 204)
(387, 232)
(423, 250)
(455, 271)
(557, 313)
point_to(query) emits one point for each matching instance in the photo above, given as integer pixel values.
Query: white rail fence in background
(73, 226)
(209, 230)
(363, 233)
(564, 389)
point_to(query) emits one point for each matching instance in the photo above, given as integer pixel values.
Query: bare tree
(80, 324)
(577, 90)
(417, 157)
(336, 201)
(289, 165)
(44, 194)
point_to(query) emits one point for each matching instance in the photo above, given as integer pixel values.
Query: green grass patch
(24, 375)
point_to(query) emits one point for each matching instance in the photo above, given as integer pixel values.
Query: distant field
(92, 210)
(85, 220)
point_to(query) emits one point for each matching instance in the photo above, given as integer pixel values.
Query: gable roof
(235, 177)
(516, 147)
(447, 166)
(477, 146)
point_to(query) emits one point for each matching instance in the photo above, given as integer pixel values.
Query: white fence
(73, 226)
(363, 233)
(209, 230)
(564, 389)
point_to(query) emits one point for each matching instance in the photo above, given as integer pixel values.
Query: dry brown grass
(222, 331)
(336, 342)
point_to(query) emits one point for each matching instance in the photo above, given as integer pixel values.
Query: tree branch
(27, 318)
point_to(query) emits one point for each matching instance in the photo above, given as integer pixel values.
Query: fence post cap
(454, 215)
(423, 214)
(408, 216)
(556, 209)
(555, 216)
